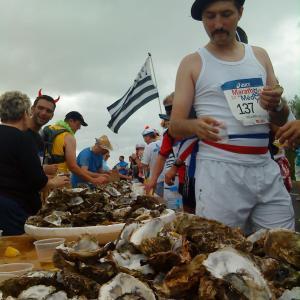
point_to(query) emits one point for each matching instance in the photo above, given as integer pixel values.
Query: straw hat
(104, 142)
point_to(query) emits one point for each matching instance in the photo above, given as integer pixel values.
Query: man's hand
(58, 181)
(170, 175)
(50, 169)
(206, 128)
(150, 185)
(101, 179)
(270, 97)
(289, 133)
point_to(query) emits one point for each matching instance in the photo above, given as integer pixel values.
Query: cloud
(89, 52)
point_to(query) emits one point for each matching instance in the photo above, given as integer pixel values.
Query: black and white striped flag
(141, 92)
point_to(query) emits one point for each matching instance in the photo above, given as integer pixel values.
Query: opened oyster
(124, 286)
(86, 248)
(240, 272)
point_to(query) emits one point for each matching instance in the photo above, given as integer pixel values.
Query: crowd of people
(215, 145)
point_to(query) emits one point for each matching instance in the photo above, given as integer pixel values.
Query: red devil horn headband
(40, 95)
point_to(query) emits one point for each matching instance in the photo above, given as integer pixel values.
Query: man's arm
(271, 96)
(289, 133)
(180, 126)
(157, 169)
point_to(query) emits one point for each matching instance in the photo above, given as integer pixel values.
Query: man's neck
(232, 51)
(33, 126)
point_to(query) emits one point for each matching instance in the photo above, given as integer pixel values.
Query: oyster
(208, 235)
(78, 285)
(124, 286)
(258, 240)
(132, 262)
(293, 294)
(38, 292)
(284, 245)
(56, 218)
(75, 201)
(147, 230)
(240, 272)
(100, 272)
(182, 279)
(108, 204)
(86, 248)
(14, 286)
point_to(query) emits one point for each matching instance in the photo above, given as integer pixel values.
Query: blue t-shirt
(89, 159)
(122, 164)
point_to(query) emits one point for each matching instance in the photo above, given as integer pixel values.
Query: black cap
(241, 35)
(199, 5)
(164, 117)
(75, 115)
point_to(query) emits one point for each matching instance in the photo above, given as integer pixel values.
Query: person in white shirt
(234, 91)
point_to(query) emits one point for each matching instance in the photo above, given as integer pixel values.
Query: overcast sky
(89, 53)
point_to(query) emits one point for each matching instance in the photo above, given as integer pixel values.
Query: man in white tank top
(235, 94)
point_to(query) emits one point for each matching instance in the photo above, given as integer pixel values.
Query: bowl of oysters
(103, 212)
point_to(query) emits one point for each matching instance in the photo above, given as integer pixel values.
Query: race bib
(243, 99)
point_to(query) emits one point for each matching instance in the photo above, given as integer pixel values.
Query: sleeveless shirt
(210, 101)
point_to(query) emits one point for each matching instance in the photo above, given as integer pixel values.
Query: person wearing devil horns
(42, 112)
(234, 91)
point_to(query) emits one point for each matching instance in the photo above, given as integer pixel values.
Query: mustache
(220, 31)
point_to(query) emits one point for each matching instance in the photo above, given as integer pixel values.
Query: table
(24, 244)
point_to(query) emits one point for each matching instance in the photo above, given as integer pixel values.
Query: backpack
(48, 136)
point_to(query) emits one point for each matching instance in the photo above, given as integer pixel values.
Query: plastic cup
(13, 270)
(46, 248)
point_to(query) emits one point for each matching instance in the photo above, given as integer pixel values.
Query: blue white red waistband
(238, 149)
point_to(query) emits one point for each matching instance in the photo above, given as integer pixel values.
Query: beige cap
(104, 142)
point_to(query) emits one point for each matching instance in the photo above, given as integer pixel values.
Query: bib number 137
(245, 108)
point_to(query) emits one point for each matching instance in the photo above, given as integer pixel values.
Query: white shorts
(249, 197)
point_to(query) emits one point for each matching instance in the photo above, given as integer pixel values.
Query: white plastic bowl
(13, 270)
(103, 233)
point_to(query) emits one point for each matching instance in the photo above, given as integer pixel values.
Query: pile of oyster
(188, 258)
(109, 204)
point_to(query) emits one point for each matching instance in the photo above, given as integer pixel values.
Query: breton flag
(141, 92)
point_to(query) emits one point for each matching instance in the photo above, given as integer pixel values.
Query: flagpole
(149, 54)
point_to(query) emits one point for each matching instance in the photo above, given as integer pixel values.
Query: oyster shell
(77, 285)
(284, 245)
(208, 235)
(56, 218)
(108, 204)
(240, 272)
(37, 292)
(100, 272)
(14, 286)
(182, 279)
(293, 294)
(124, 286)
(84, 249)
(147, 230)
(132, 262)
